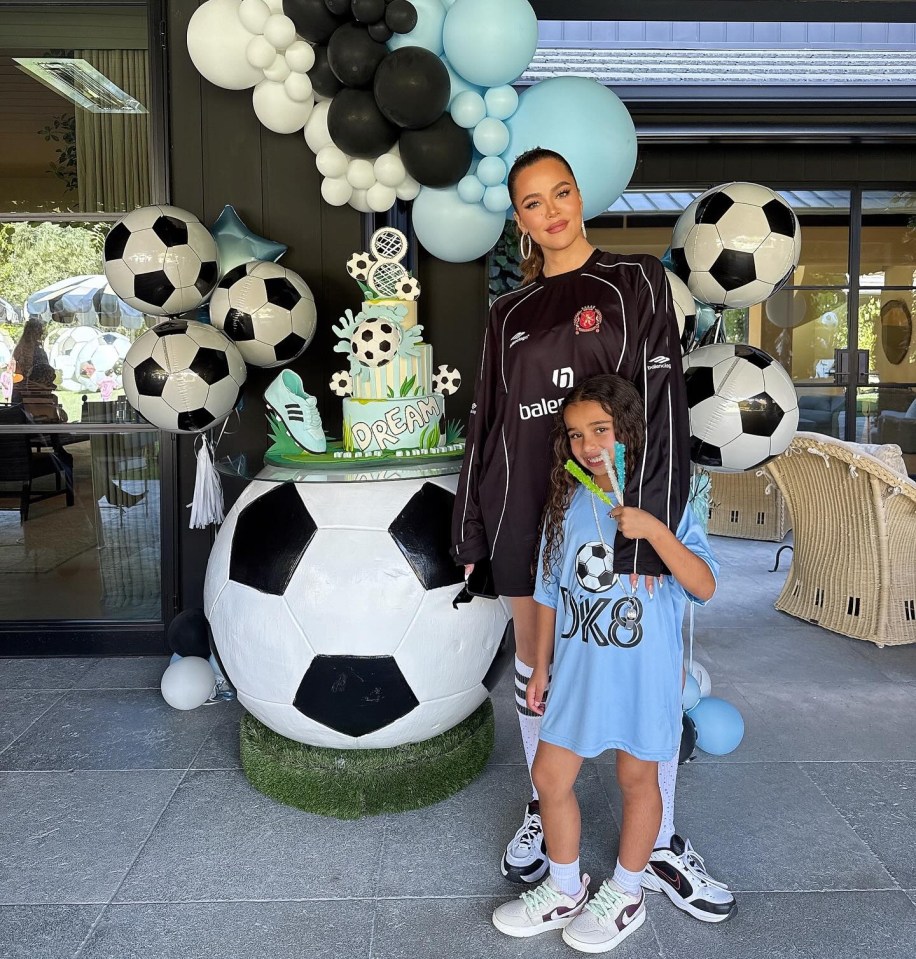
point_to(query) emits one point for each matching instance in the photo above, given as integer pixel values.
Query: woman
(580, 312)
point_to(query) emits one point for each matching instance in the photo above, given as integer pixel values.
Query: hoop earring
(583, 230)
(526, 253)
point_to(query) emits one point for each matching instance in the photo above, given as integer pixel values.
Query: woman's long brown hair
(617, 397)
(534, 264)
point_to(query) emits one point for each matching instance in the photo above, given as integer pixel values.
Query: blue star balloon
(237, 244)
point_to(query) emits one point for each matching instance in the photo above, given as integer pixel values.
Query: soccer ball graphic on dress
(331, 610)
(161, 260)
(266, 310)
(593, 567)
(446, 380)
(183, 376)
(743, 406)
(375, 341)
(736, 245)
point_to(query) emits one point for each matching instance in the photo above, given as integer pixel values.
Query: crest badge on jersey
(588, 320)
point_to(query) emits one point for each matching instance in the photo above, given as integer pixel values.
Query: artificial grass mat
(351, 783)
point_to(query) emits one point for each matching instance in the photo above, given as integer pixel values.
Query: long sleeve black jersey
(612, 315)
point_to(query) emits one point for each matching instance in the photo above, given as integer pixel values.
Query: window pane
(94, 554)
(886, 331)
(893, 420)
(888, 239)
(74, 96)
(801, 329)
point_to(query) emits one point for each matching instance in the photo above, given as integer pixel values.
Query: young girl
(617, 661)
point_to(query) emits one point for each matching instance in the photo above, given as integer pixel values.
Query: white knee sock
(529, 722)
(667, 780)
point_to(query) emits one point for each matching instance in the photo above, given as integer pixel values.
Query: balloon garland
(413, 100)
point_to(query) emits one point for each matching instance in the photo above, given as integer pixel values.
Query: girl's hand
(635, 523)
(468, 569)
(536, 691)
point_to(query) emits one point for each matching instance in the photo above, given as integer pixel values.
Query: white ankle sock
(667, 781)
(565, 877)
(529, 722)
(626, 881)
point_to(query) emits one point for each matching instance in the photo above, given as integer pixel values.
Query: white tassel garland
(207, 505)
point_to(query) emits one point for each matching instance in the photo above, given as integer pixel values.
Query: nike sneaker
(679, 872)
(525, 859)
(298, 410)
(607, 919)
(539, 910)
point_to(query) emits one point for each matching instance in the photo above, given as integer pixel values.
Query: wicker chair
(854, 565)
(748, 506)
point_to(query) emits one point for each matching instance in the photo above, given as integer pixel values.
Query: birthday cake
(393, 395)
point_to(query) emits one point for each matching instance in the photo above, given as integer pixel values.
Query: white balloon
(276, 110)
(359, 202)
(280, 31)
(187, 683)
(332, 162)
(409, 189)
(381, 198)
(260, 53)
(217, 41)
(298, 87)
(699, 673)
(316, 130)
(360, 174)
(389, 170)
(254, 14)
(278, 71)
(336, 191)
(276, 6)
(300, 56)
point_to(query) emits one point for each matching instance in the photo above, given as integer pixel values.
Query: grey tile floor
(128, 830)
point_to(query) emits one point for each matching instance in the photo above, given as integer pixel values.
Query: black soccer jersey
(612, 315)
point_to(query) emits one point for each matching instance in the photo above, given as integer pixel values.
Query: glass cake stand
(248, 467)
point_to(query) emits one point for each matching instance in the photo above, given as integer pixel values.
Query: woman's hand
(536, 691)
(468, 569)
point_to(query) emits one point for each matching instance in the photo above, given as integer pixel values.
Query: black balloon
(380, 31)
(358, 127)
(340, 8)
(688, 739)
(438, 155)
(412, 87)
(189, 634)
(313, 20)
(367, 11)
(354, 55)
(323, 78)
(401, 16)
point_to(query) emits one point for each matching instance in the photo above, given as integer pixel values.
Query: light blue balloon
(459, 84)
(175, 658)
(471, 189)
(497, 199)
(236, 244)
(453, 230)
(491, 171)
(468, 109)
(588, 125)
(491, 136)
(501, 102)
(720, 727)
(490, 43)
(428, 31)
(691, 694)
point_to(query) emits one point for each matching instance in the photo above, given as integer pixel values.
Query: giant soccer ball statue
(266, 310)
(743, 407)
(331, 609)
(736, 245)
(161, 260)
(183, 376)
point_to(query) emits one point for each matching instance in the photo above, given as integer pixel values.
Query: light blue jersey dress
(616, 681)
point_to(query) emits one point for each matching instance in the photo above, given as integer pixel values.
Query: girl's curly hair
(619, 398)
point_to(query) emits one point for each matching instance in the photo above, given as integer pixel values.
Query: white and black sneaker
(679, 872)
(525, 860)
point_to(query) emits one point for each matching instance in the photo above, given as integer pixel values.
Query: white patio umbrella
(9, 313)
(84, 301)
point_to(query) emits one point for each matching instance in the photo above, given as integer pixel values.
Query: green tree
(35, 255)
